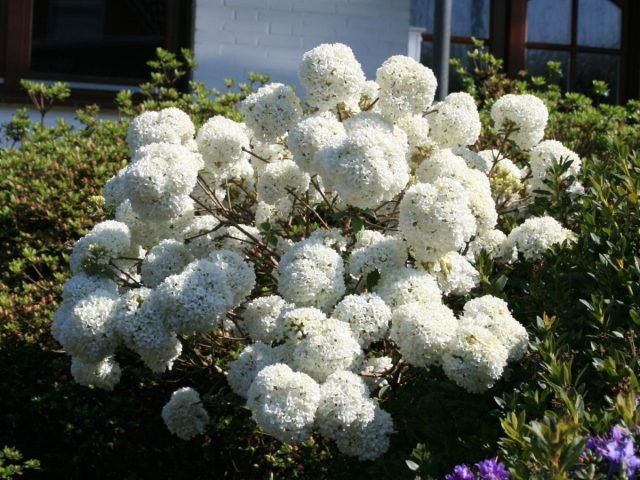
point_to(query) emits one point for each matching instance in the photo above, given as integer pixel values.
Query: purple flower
(619, 449)
(492, 469)
(460, 472)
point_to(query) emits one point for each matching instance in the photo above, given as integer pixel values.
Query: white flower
(436, 218)
(294, 324)
(170, 125)
(527, 112)
(375, 250)
(455, 275)
(239, 238)
(260, 316)
(240, 277)
(506, 179)
(279, 179)
(311, 135)
(243, 370)
(367, 168)
(159, 182)
(379, 367)
(455, 122)
(490, 241)
(271, 111)
(332, 347)
(406, 87)
(82, 285)
(420, 144)
(220, 142)
(169, 257)
(408, 285)
(201, 234)
(534, 237)
(105, 242)
(364, 438)
(284, 402)
(423, 331)
(475, 358)
(331, 75)
(473, 159)
(367, 315)
(441, 163)
(493, 314)
(184, 414)
(311, 274)
(541, 161)
(104, 374)
(86, 329)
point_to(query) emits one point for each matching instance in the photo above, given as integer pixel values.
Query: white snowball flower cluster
(271, 111)
(260, 317)
(541, 160)
(311, 135)
(105, 242)
(367, 315)
(243, 370)
(436, 218)
(367, 168)
(528, 114)
(331, 75)
(455, 121)
(406, 87)
(169, 257)
(170, 125)
(284, 402)
(455, 275)
(534, 237)
(375, 250)
(420, 143)
(184, 414)
(311, 274)
(408, 285)
(104, 375)
(221, 142)
(281, 178)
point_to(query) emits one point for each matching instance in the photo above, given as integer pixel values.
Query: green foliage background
(580, 305)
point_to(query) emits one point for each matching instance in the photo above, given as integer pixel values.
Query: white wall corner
(414, 48)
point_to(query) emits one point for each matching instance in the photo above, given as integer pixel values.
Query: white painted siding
(233, 37)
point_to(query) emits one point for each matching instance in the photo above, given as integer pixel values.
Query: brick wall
(233, 37)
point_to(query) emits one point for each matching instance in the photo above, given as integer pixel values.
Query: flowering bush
(342, 246)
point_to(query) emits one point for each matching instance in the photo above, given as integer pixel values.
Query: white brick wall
(233, 37)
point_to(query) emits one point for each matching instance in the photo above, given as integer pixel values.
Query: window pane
(599, 23)
(468, 18)
(106, 38)
(549, 21)
(595, 66)
(536, 63)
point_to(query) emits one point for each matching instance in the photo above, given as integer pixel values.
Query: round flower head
(505, 180)
(271, 111)
(114, 190)
(332, 348)
(170, 125)
(311, 274)
(441, 163)
(344, 399)
(159, 182)
(541, 160)
(436, 218)
(367, 168)
(260, 316)
(527, 113)
(86, 329)
(455, 275)
(374, 250)
(366, 439)
(240, 277)
(184, 414)
(103, 375)
(473, 159)
(408, 285)
(493, 314)
(331, 75)
(455, 122)
(105, 242)
(239, 238)
(481, 200)
(284, 402)
(279, 179)
(82, 285)
(367, 315)
(169, 257)
(294, 324)
(369, 96)
(221, 142)
(406, 87)
(475, 358)
(265, 153)
(420, 144)
(201, 235)
(489, 241)
(311, 135)
(423, 331)
(243, 370)
(534, 237)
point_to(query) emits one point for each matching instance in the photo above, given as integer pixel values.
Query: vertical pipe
(441, 45)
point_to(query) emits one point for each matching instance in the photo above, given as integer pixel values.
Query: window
(95, 45)
(584, 35)
(470, 18)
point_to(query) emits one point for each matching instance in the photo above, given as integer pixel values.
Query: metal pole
(441, 45)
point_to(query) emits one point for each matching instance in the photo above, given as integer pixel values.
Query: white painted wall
(233, 37)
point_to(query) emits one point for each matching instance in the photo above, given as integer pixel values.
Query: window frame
(16, 20)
